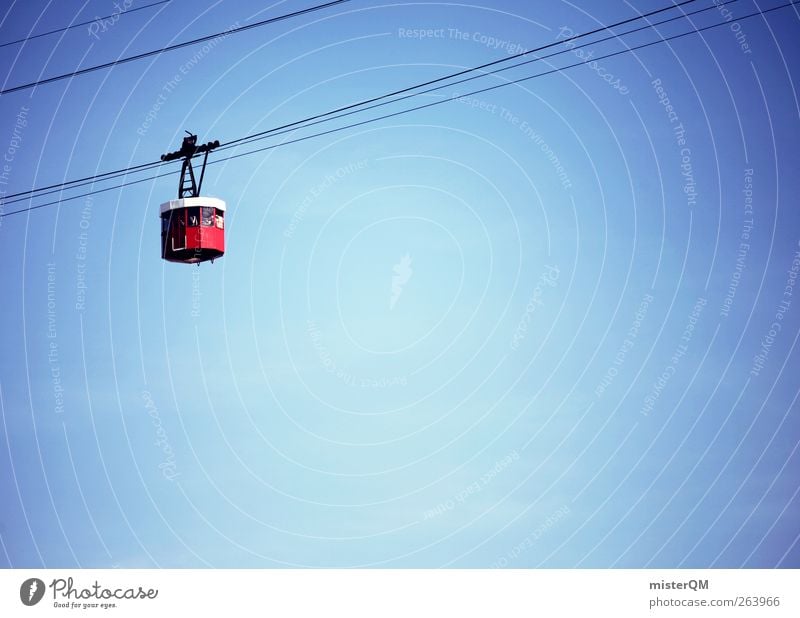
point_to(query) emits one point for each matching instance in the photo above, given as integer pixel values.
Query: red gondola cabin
(193, 226)
(192, 229)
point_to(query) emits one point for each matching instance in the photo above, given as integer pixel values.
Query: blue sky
(517, 329)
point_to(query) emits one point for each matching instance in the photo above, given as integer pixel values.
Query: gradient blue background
(275, 408)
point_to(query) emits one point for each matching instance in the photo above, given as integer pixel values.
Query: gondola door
(177, 229)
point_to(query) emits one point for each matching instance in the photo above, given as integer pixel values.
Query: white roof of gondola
(190, 202)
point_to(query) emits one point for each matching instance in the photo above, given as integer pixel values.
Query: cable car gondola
(192, 226)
